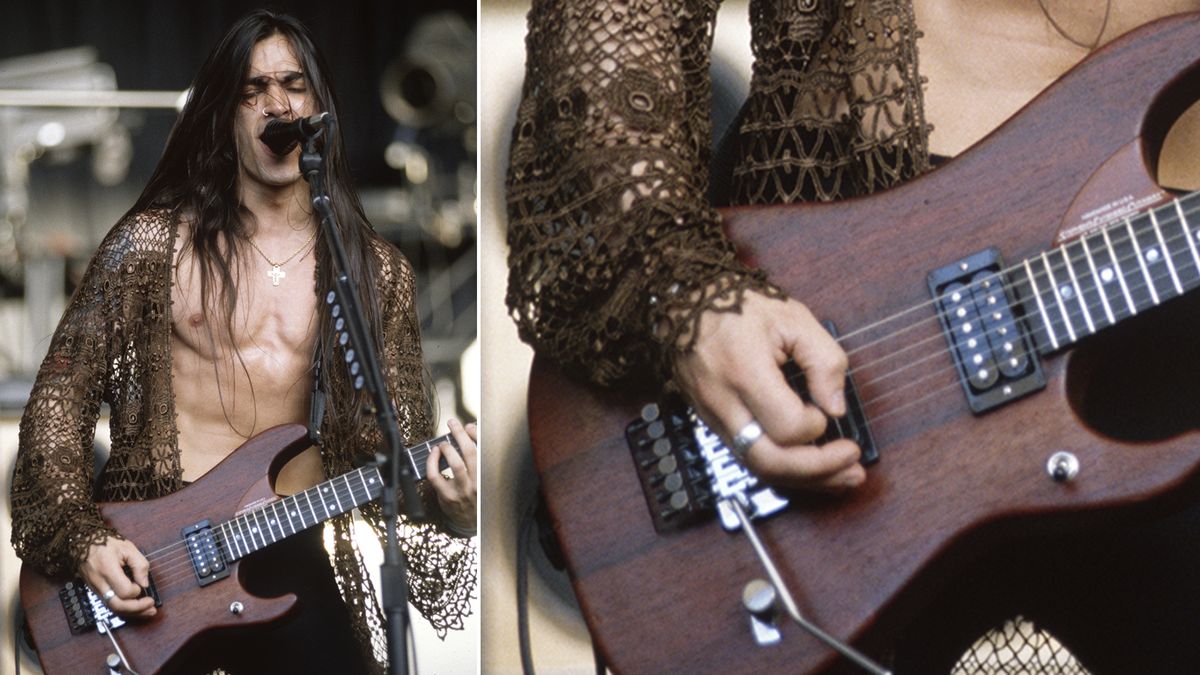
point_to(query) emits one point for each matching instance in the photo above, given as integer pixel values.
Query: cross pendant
(276, 274)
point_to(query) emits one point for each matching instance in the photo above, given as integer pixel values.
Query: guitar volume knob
(1062, 466)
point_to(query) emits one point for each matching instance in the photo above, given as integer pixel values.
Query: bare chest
(986, 59)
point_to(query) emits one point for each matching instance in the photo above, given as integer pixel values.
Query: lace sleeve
(55, 520)
(614, 252)
(442, 568)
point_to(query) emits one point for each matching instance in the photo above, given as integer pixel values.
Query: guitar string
(174, 566)
(1138, 285)
(927, 304)
(952, 368)
(1188, 263)
(1061, 269)
(168, 559)
(1002, 274)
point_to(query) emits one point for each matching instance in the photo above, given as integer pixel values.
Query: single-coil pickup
(987, 341)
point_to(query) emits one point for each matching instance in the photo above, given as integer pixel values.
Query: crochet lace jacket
(614, 250)
(113, 345)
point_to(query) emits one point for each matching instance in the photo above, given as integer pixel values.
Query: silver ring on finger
(109, 595)
(746, 437)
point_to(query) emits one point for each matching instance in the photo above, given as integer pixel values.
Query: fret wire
(1116, 261)
(255, 528)
(1187, 234)
(283, 502)
(279, 521)
(1041, 307)
(336, 500)
(230, 544)
(267, 519)
(261, 514)
(1166, 252)
(353, 500)
(248, 532)
(289, 510)
(236, 540)
(1087, 316)
(294, 511)
(248, 542)
(1137, 249)
(363, 479)
(1099, 282)
(1058, 297)
(324, 504)
(413, 460)
(310, 506)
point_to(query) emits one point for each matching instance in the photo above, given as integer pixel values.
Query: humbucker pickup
(990, 344)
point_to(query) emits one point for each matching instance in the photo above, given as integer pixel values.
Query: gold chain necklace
(1095, 43)
(276, 272)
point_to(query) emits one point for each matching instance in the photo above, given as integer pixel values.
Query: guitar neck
(261, 527)
(1093, 282)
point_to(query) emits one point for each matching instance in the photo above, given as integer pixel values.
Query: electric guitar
(194, 540)
(1002, 318)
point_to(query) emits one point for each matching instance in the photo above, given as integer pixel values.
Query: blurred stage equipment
(52, 105)
(429, 90)
(432, 83)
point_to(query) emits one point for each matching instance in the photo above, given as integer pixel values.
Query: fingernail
(839, 403)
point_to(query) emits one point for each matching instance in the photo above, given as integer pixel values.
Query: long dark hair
(197, 178)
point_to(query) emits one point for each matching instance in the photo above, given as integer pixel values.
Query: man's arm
(619, 268)
(56, 525)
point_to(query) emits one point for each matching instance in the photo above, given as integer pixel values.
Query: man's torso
(228, 389)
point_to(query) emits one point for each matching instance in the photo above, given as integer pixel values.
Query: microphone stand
(395, 471)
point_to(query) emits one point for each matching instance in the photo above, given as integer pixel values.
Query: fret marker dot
(1152, 254)
(957, 297)
(1066, 292)
(1106, 275)
(961, 312)
(972, 343)
(977, 359)
(982, 374)
(967, 327)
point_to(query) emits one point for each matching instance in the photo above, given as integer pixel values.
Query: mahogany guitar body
(188, 611)
(949, 483)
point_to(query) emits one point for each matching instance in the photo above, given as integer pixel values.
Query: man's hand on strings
(733, 377)
(104, 571)
(457, 494)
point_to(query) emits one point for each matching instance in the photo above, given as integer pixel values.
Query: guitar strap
(316, 412)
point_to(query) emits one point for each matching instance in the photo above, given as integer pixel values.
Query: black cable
(523, 530)
(601, 668)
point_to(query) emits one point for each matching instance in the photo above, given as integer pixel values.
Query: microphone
(282, 136)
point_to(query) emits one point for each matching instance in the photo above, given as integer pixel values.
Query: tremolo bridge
(687, 472)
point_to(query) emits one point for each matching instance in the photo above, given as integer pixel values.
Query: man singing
(199, 323)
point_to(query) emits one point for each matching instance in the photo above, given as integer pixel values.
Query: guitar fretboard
(257, 529)
(1095, 281)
